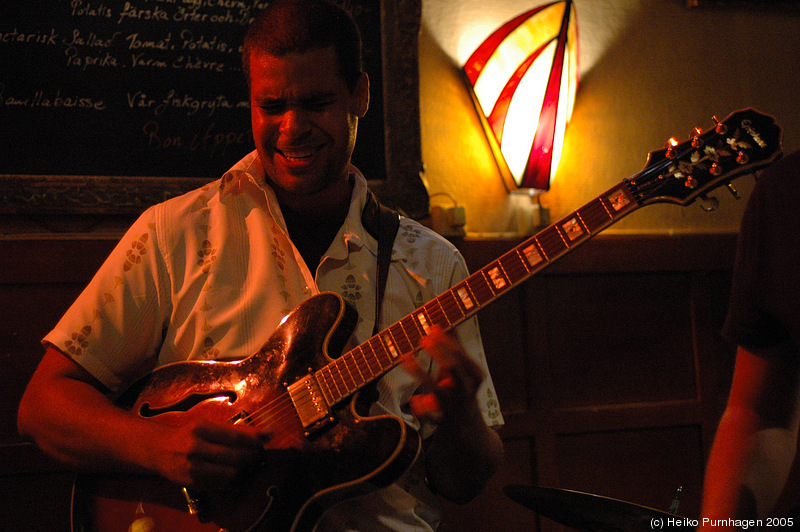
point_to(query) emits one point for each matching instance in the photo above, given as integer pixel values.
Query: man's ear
(361, 95)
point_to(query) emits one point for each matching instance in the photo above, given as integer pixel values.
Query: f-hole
(186, 404)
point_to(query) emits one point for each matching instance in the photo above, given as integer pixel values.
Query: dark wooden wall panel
(614, 338)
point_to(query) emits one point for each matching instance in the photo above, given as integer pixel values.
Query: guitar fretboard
(372, 359)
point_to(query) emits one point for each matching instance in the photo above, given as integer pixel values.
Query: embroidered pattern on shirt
(410, 233)
(206, 256)
(278, 254)
(79, 341)
(351, 290)
(134, 255)
(492, 405)
(211, 351)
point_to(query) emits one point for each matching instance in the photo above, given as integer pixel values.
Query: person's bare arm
(463, 453)
(756, 439)
(67, 413)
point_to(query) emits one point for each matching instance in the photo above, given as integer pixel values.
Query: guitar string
(282, 411)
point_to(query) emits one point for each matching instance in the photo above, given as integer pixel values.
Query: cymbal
(587, 512)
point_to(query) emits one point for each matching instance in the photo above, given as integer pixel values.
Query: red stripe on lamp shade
(474, 65)
(540, 160)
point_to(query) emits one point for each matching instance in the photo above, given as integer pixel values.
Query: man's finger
(413, 367)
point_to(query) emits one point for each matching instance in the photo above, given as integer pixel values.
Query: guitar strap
(382, 223)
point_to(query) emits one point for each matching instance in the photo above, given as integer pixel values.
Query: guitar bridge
(310, 405)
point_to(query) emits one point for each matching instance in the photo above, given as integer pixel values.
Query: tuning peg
(671, 143)
(721, 128)
(715, 169)
(696, 140)
(742, 158)
(690, 182)
(733, 191)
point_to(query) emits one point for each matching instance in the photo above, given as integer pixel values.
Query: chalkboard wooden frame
(125, 195)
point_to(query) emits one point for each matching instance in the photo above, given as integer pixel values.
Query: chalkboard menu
(141, 89)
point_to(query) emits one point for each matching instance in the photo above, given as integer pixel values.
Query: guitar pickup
(310, 405)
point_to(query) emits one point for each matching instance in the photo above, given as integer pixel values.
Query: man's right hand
(204, 454)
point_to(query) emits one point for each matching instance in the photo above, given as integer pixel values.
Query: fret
(618, 199)
(412, 330)
(324, 385)
(465, 298)
(336, 379)
(341, 376)
(498, 280)
(436, 313)
(353, 356)
(480, 288)
(450, 307)
(595, 216)
(332, 383)
(379, 359)
(369, 360)
(513, 266)
(551, 242)
(422, 321)
(349, 376)
(573, 229)
(399, 341)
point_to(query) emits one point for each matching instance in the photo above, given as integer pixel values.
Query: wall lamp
(523, 80)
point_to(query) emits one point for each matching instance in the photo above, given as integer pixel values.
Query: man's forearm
(462, 455)
(725, 494)
(77, 424)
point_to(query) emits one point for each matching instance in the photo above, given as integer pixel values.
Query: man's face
(304, 118)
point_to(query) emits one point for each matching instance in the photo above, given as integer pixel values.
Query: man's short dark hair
(287, 26)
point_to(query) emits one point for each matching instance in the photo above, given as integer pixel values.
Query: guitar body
(301, 475)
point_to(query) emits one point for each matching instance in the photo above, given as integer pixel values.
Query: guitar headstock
(743, 143)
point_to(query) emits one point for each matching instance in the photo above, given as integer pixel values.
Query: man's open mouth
(298, 154)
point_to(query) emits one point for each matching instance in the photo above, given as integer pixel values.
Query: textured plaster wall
(650, 70)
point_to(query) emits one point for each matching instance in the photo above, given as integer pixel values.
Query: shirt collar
(353, 235)
(249, 172)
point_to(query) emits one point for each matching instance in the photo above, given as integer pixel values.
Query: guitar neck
(372, 359)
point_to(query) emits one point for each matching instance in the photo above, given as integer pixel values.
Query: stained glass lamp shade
(524, 77)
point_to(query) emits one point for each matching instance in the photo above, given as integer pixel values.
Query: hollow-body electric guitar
(325, 448)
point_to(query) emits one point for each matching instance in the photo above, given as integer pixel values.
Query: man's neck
(314, 220)
(333, 202)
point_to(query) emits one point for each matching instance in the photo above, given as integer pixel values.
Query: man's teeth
(305, 154)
